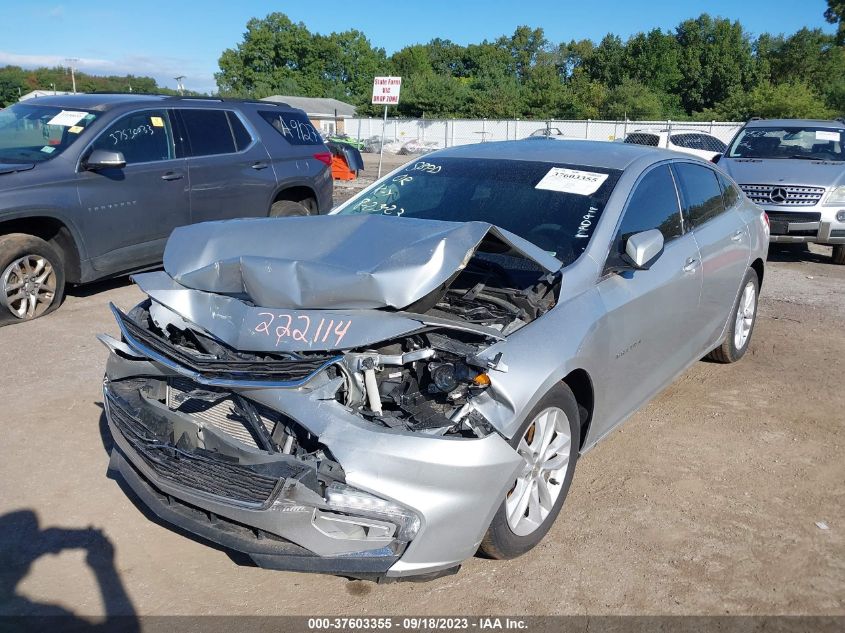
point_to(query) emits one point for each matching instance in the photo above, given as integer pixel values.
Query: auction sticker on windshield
(67, 118)
(827, 135)
(582, 183)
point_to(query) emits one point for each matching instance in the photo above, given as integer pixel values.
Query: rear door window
(293, 126)
(700, 193)
(242, 136)
(730, 194)
(142, 137)
(638, 138)
(209, 132)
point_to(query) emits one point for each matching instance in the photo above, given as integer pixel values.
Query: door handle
(172, 175)
(737, 236)
(691, 264)
(259, 165)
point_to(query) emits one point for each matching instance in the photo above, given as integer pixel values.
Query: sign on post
(385, 92)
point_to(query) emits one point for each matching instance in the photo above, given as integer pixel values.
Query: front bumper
(809, 226)
(453, 486)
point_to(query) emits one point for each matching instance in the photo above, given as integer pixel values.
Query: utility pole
(71, 61)
(179, 85)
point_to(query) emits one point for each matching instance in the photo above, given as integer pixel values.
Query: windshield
(813, 143)
(35, 133)
(554, 206)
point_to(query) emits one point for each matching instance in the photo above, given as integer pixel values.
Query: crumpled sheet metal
(259, 329)
(330, 262)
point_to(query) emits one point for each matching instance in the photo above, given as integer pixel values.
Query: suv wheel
(32, 276)
(839, 254)
(288, 209)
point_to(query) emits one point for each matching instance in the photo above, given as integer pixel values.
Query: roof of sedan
(587, 153)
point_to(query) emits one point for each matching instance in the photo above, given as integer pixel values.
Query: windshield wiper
(805, 157)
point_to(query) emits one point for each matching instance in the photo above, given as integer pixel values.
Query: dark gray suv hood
(332, 262)
(10, 168)
(772, 171)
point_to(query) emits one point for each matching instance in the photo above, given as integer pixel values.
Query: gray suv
(795, 170)
(92, 185)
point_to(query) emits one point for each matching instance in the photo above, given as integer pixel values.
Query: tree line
(16, 81)
(705, 68)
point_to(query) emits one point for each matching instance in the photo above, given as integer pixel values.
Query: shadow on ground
(22, 542)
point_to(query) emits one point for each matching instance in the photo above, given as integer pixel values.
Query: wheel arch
(56, 233)
(581, 385)
(298, 193)
(759, 267)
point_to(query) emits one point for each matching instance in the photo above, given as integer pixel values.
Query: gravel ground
(705, 502)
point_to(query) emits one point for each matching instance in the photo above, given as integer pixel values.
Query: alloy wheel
(28, 286)
(745, 315)
(545, 450)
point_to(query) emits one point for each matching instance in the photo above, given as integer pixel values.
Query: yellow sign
(157, 121)
(76, 129)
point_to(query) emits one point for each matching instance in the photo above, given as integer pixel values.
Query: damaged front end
(340, 439)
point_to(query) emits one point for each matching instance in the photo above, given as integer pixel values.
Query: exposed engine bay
(422, 382)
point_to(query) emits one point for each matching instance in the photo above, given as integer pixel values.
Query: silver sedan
(383, 392)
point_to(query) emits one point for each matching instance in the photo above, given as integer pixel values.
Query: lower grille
(189, 468)
(784, 195)
(791, 216)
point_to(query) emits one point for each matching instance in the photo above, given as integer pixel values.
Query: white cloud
(56, 12)
(163, 69)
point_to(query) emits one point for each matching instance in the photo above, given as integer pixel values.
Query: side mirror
(716, 159)
(104, 159)
(643, 249)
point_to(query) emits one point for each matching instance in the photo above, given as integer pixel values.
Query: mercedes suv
(795, 170)
(92, 185)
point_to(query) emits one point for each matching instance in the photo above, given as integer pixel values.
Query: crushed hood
(332, 262)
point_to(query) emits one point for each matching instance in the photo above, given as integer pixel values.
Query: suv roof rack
(756, 118)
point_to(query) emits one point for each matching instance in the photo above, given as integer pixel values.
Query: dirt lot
(705, 502)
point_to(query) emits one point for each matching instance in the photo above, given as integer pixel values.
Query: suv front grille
(784, 195)
(189, 468)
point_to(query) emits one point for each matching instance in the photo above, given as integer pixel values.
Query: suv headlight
(342, 498)
(835, 197)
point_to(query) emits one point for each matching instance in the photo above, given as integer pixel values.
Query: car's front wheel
(32, 277)
(548, 444)
(742, 321)
(838, 255)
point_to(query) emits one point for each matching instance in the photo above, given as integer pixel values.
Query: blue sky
(165, 39)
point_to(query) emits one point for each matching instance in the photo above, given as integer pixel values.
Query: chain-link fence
(418, 136)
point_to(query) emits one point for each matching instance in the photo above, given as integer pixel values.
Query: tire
(838, 256)
(32, 277)
(511, 538)
(288, 209)
(734, 347)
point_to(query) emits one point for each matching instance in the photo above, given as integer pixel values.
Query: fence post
(668, 131)
(453, 133)
(359, 129)
(587, 129)
(446, 134)
(421, 129)
(483, 129)
(711, 126)
(395, 130)
(625, 128)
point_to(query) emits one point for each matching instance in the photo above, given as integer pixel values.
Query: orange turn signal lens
(481, 380)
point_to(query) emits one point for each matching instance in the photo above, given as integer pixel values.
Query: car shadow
(795, 253)
(96, 287)
(22, 542)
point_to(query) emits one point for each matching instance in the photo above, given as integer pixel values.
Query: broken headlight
(343, 498)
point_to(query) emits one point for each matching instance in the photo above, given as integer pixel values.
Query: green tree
(634, 100)
(834, 14)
